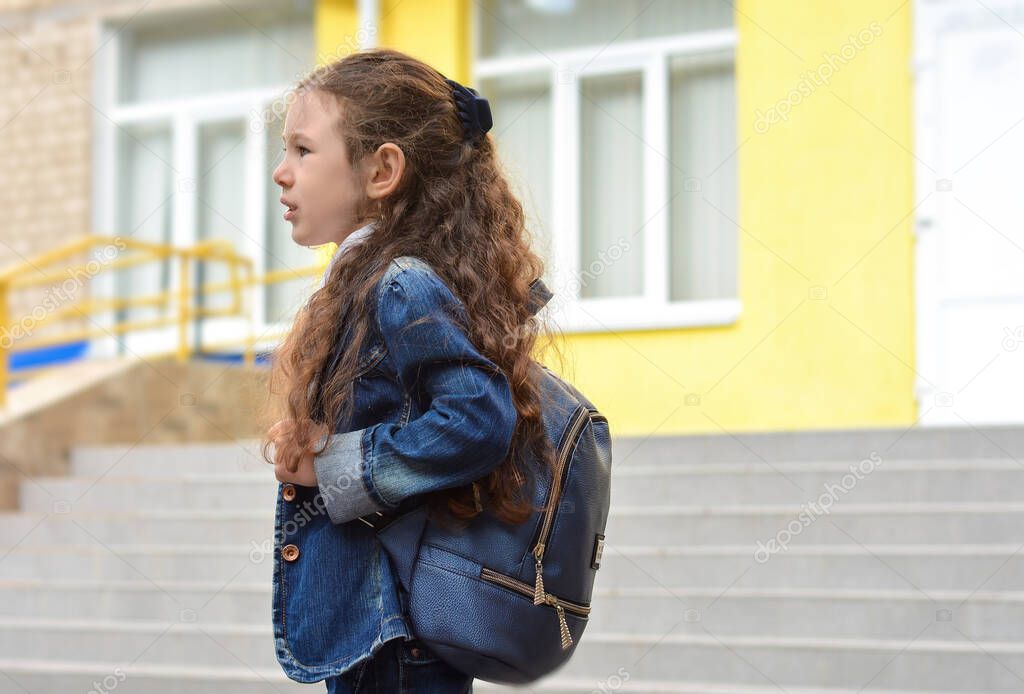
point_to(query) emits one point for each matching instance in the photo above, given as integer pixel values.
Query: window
(188, 139)
(616, 122)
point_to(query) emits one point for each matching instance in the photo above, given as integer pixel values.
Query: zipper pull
(563, 627)
(538, 583)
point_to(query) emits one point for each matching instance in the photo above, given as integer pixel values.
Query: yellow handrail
(36, 271)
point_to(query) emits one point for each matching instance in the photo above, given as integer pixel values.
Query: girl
(408, 377)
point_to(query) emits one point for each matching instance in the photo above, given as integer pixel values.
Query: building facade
(758, 216)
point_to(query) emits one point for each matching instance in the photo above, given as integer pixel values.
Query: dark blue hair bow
(474, 110)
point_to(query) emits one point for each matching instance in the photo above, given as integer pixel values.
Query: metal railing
(182, 304)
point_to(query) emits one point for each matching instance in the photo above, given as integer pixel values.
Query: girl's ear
(384, 169)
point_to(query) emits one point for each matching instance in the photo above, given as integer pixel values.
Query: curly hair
(455, 209)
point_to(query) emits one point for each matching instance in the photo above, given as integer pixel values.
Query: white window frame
(564, 69)
(183, 117)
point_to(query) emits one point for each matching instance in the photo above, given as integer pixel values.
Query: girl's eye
(302, 149)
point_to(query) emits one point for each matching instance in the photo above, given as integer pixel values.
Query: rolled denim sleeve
(464, 433)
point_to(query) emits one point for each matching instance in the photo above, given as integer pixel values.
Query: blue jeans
(401, 667)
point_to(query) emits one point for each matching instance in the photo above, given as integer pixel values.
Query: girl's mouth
(290, 212)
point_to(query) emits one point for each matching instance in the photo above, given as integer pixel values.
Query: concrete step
(32, 675)
(794, 525)
(787, 525)
(162, 460)
(798, 613)
(678, 484)
(624, 683)
(162, 642)
(190, 526)
(912, 664)
(904, 663)
(966, 444)
(887, 614)
(141, 678)
(202, 602)
(928, 567)
(227, 491)
(887, 443)
(782, 483)
(669, 453)
(115, 561)
(916, 663)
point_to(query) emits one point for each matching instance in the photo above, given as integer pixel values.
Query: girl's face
(320, 189)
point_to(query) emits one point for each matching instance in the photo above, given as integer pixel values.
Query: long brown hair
(453, 208)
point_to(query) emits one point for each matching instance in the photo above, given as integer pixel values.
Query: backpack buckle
(377, 519)
(595, 557)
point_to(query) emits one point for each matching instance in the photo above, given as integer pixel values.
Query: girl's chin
(301, 240)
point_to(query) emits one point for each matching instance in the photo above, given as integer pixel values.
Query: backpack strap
(539, 295)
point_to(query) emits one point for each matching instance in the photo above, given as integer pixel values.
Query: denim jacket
(430, 412)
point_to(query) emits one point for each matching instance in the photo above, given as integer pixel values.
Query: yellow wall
(825, 339)
(435, 31)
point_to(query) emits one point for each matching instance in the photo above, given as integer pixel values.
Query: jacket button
(288, 492)
(290, 552)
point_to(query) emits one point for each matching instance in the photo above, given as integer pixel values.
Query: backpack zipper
(537, 592)
(559, 604)
(553, 499)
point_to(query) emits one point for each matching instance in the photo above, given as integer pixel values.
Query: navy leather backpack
(503, 602)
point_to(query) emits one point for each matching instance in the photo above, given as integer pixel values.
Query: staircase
(140, 573)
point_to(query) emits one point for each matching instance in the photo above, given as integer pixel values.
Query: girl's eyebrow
(295, 135)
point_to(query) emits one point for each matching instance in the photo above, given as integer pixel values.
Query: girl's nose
(281, 175)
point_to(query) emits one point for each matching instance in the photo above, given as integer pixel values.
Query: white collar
(350, 240)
